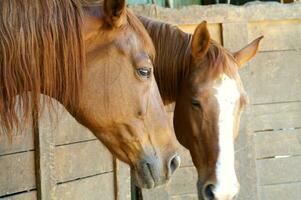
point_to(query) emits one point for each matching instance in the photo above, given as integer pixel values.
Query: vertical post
(122, 180)
(44, 157)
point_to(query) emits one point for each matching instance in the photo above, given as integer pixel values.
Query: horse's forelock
(218, 61)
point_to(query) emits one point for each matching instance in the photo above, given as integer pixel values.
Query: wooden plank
(234, 35)
(278, 170)
(93, 188)
(183, 182)
(81, 160)
(290, 191)
(222, 13)
(158, 194)
(274, 77)
(122, 176)
(279, 35)
(67, 130)
(23, 196)
(70, 131)
(17, 173)
(185, 197)
(215, 30)
(20, 142)
(277, 143)
(275, 116)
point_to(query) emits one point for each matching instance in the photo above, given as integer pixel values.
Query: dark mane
(172, 56)
(41, 51)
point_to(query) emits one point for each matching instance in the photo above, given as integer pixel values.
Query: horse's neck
(173, 57)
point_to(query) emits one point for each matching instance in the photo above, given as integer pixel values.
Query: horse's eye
(196, 104)
(144, 72)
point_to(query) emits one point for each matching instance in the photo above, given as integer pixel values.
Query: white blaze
(227, 95)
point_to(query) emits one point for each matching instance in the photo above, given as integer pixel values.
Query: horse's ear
(200, 41)
(114, 12)
(244, 55)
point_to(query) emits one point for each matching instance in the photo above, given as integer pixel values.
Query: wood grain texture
(280, 35)
(183, 182)
(81, 160)
(99, 187)
(275, 116)
(223, 13)
(70, 131)
(122, 176)
(17, 173)
(279, 170)
(67, 130)
(234, 35)
(278, 143)
(20, 142)
(44, 154)
(185, 197)
(23, 196)
(274, 77)
(289, 191)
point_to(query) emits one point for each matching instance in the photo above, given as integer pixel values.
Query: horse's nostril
(173, 164)
(208, 191)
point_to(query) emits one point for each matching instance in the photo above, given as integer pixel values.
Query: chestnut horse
(96, 61)
(202, 78)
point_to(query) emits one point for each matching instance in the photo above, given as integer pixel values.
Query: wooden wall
(268, 151)
(63, 160)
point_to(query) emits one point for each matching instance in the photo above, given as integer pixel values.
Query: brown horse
(96, 61)
(202, 78)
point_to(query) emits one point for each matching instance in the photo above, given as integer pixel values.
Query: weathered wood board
(21, 142)
(278, 143)
(17, 173)
(93, 188)
(274, 77)
(279, 170)
(280, 35)
(280, 191)
(23, 196)
(81, 160)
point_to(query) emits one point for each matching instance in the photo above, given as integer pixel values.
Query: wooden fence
(63, 160)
